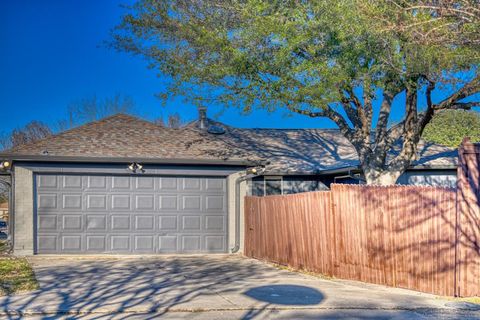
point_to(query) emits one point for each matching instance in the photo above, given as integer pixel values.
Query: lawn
(16, 275)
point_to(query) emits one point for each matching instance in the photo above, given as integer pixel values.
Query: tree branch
(327, 112)
(454, 100)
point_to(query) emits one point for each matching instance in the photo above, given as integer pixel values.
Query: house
(123, 185)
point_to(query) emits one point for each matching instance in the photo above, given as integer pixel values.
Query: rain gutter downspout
(237, 209)
(11, 209)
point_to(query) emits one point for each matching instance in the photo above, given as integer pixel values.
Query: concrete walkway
(210, 287)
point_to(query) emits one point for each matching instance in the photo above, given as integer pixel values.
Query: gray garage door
(130, 214)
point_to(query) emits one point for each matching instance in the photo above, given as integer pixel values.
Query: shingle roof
(287, 151)
(124, 136)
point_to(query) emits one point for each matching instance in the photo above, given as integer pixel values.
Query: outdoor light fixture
(135, 166)
(5, 164)
(255, 170)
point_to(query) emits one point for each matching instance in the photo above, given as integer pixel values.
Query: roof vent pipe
(202, 117)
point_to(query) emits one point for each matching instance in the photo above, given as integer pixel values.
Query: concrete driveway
(210, 287)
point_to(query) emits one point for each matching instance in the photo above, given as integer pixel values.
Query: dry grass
(16, 275)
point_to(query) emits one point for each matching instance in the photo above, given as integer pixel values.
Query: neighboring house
(125, 185)
(4, 211)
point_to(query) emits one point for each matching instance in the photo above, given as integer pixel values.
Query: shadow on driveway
(224, 285)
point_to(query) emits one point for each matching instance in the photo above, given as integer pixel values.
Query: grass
(16, 275)
(475, 300)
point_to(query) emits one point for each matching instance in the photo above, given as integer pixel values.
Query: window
(273, 186)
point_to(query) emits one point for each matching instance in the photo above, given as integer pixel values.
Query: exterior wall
(435, 178)
(23, 219)
(290, 185)
(299, 184)
(231, 179)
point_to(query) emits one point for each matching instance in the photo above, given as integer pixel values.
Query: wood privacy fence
(402, 236)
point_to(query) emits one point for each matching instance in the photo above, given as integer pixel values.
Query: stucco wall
(23, 212)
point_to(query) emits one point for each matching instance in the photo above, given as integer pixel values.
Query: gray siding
(290, 185)
(439, 178)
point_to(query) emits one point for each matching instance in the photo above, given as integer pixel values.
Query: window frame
(272, 178)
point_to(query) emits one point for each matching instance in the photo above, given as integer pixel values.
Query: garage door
(130, 214)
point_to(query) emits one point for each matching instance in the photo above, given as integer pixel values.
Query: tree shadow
(401, 236)
(307, 151)
(151, 286)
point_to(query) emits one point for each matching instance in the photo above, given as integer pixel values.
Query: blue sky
(52, 53)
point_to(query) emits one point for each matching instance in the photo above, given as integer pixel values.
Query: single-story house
(123, 185)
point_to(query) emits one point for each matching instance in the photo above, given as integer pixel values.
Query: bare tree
(173, 121)
(92, 108)
(33, 131)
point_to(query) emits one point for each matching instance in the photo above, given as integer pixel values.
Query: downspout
(238, 181)
(11, 209)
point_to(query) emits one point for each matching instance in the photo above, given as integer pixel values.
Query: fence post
(468, 216)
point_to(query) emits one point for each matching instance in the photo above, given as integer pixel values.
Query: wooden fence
(420, 238)
(400, 236)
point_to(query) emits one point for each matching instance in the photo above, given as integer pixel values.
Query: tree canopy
(346, 60)
(449, 127)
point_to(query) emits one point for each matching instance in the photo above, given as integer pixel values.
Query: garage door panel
(144, 243)
(215, 223)
(47, 222)
(97, 222)
(96, 243)
(120, 223)
(72, 182)
(72, 222)
(214, 243)
(47, 243)
(145, 183)
(168, 244)
(130, 214)
(48, 182)
(191, 243)
(72, 201)
(168, 223)
(121, 202)
(215, 185)
(97, 182)
(71, 243)
(145, 202)
(168, 184)
(191, 223)
(168, 202)
(192, 184)
(47, 201)
(144, 222)
(96, 202)
(120, 243)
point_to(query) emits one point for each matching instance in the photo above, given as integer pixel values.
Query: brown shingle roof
(287, 150)
(125, 136)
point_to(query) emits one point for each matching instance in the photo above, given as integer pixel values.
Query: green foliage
(449, 127)
(285, 53)
(341, 59)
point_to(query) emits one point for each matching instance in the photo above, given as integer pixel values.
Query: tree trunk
(381, 178)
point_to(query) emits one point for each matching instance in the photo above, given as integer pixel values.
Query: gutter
(48, 158)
